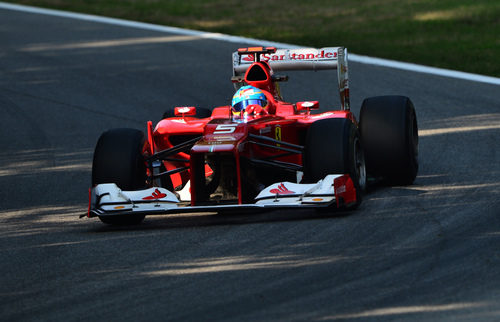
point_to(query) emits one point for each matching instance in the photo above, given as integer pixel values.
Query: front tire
(333, 146)
(118, 159)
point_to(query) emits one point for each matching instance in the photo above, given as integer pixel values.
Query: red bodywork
(234, 137)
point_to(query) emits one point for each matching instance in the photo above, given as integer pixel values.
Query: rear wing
(299, 59)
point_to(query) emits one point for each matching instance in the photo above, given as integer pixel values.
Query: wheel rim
(414, 139)
(359, 164)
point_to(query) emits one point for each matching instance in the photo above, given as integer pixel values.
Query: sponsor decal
(281, 190)
(220, 139)
(317, 199)
(279, 56)
(265, 130)
(341, 189)
(277, 133)
(157, 194)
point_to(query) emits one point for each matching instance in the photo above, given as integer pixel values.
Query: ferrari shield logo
(277, 133)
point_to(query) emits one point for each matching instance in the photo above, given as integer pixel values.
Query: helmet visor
(238, 107)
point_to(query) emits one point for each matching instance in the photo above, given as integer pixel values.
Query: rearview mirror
(307, 106)
(185, 111)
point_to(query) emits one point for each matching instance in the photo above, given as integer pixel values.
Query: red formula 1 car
(258, 153)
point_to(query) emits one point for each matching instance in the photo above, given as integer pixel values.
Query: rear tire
(118, 159)
(389, 130)
(333, 146)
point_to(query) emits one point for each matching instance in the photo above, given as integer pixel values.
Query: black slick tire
(389, 130)
(333, 146)
(118, 159)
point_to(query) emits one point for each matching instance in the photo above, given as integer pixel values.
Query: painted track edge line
(237, 39)
(424, 69)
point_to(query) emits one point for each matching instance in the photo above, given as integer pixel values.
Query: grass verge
(455, 34)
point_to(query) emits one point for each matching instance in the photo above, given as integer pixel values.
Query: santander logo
(299, 55)
(281, 190)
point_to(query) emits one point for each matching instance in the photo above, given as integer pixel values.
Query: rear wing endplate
(302, 59)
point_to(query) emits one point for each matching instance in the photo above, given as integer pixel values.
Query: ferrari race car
(258, 153)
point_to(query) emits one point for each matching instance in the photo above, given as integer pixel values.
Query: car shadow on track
(215, 219)
(242, 217)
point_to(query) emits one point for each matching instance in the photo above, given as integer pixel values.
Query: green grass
(455, 34)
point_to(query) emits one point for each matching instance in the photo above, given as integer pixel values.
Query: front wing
(334, 191)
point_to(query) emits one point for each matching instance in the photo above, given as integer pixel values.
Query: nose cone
(221, 135)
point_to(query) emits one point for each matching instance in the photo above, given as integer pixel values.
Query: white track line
(250, 41)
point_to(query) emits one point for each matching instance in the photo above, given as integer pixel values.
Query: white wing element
(292, 59)
(107, 199)
(294, 193)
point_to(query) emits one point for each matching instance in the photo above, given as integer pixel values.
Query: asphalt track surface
(430, 251)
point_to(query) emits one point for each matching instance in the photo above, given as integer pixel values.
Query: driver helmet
(248, 95)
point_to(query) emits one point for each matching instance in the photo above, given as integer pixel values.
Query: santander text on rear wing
(301, 59)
